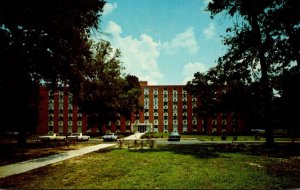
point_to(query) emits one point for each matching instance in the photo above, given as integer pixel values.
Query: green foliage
(106, 93)
(41, 40)
(262, 42)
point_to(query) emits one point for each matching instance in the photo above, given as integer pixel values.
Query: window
(165, 117)
(146, 90)
(165, 127)
(165, 110)
(184, 128)
(194, 122)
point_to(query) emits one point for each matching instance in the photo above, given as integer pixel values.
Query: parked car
(78, 137)
(174, 136)
(52, 137)
(109, 137)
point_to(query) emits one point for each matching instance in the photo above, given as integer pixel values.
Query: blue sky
(163, 41)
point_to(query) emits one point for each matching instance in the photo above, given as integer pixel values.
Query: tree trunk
(267, 92)
(22, 137)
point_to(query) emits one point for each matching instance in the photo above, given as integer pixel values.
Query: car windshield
(110, 134)
(76, 134)
(174, 134)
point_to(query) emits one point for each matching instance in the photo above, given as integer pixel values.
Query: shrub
(224, 136)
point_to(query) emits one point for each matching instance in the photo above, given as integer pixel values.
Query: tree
(106, 93)
(222, 89)
(202, 88)
(129, 97)
(41, 40)
(250, 43)
(264, 37)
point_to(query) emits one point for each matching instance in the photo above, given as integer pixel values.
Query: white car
(78, 137)
(109, 137)
(54, 136)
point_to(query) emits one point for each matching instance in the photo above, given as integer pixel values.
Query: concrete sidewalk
(25, 166)
(135, 136)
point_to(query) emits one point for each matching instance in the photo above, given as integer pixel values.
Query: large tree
(106, 93)
(257, 39)
(202, 87)
(41, 40)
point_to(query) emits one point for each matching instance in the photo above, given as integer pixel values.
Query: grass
(12, 152)
(218, 137)
(170, 167)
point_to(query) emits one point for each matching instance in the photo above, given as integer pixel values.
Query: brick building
(166, 108)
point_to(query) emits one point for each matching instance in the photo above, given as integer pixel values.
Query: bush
(224, 136)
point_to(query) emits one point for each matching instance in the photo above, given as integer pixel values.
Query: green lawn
(168, 167)
(218, 137)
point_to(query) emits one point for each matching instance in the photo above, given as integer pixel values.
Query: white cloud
(139, 55)
(190, 69)
(109, 7)
(185, 40)
(210, 31)
(114, 29)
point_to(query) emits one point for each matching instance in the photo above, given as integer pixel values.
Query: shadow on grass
(215, 150)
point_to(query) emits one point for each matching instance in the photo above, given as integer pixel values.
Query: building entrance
(142, 128)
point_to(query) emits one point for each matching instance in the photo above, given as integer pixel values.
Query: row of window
(61, 123)
(165, 91)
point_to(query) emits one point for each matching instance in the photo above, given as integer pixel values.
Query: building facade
(167, 108)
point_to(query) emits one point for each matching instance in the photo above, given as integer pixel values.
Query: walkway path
(25, 166)
(136, 135)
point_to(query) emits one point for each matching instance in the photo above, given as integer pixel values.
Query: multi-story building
(166, 108)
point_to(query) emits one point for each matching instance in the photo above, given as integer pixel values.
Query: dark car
(174, 136)
(109, 137)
